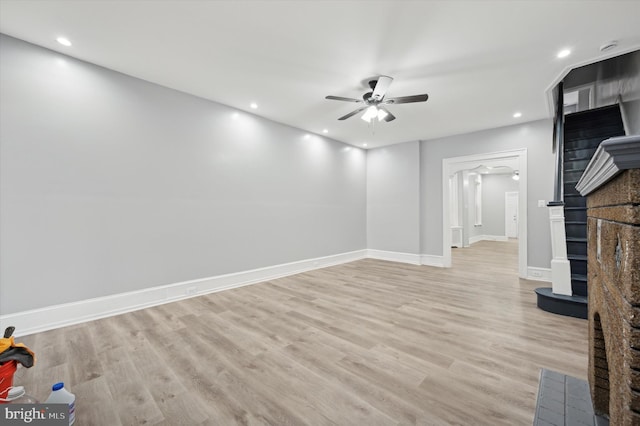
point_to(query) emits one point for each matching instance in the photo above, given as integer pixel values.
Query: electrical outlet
(536, 274)
(191, 291)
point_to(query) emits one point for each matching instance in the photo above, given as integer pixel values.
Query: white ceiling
(479, 61)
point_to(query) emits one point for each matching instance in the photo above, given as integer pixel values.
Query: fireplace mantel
(611, 183)
(612, 157)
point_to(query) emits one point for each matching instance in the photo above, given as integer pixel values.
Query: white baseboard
(394, 256)
(414, 259)
(473, 240)
(538, 274)
(432, 260)
(51, 317)
(487, 238)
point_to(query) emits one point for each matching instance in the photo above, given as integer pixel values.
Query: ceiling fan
(375, 101)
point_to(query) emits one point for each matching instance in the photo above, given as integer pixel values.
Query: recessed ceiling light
(307, 136)
(517, 115)
(564, 53)
(325, 131)
(364, 144)
(63, 41)
(235, 115)
(253, 105)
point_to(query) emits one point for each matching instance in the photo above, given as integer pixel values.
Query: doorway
(511, 214)
(517, 160)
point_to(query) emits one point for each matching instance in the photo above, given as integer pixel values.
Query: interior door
(511, 214)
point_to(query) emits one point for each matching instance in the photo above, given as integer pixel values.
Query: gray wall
(112, 184)
(535, 137)
(630, 94)
(493, 202)
(393, 198)
(632, 115)
(629, 89)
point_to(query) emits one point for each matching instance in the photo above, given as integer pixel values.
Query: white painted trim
(452, 165)
(37, 320)
(473, 240)
(538, 274)
(431, 260)
(456, 236)
(560, 266)
(394, 256)
(477, 238)
(612, 156)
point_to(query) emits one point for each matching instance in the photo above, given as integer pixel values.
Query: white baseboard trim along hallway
(52, 317)
(394, 256)
(477, 238)
(431, 260)
(538, 274)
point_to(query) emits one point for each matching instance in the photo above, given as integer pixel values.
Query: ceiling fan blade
(389, 116)
(381, 87)
(407, 99)
(352, 113)
(340, 98)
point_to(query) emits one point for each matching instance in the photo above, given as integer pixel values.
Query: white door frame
(516, 159)
(506, 211)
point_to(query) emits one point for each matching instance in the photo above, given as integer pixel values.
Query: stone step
(564, 400)
(570, 306)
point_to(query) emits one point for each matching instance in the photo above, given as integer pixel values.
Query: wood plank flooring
(365, 343)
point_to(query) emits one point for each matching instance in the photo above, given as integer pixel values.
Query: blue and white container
(59, 395)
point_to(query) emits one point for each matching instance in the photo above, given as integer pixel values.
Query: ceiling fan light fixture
(370, 113)
(370, 100)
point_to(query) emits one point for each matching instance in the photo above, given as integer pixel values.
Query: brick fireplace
(612, 185)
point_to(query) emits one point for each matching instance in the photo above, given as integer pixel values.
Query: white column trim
(560, 266)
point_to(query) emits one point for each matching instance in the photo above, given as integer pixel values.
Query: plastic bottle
(17, 395)
(59, 395)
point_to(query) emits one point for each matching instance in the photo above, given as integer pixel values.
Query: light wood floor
(365, 343)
